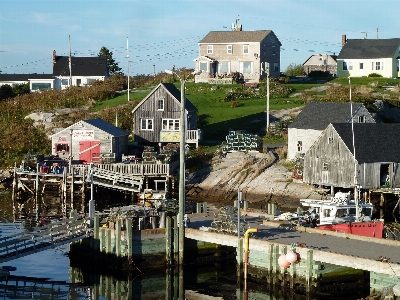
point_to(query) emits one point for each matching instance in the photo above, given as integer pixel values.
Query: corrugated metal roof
(216, 37)
(374, 142)
(318, 115)
(107, 127)
(369, 48)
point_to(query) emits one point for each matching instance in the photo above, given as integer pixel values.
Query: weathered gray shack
(88, 140)
(157, 117)
(315, 117)
(331, 160)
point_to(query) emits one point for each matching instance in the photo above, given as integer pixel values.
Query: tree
(22, 88)
(294, 70)
(113, 67)
(6, 91)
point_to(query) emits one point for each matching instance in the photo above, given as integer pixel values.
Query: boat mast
(354, 154)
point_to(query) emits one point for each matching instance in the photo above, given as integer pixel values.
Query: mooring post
(168, 240)
(118, 237)
(14, 188)
(176, 239)
(309, 269)
(128, 236)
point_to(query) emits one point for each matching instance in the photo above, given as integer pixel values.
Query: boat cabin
(338, 209)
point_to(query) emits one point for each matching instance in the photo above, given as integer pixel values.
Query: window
(350, 66)
(41, 86)
(223, 67)
(160, 104)
(397, 65)
(361, 119)
(325, 166)
(209, 49)
(64, 82)
(246, 67)
(229, 49)
(146, 124)
(90, 80)
(344, 66)
(203, 66)
(276, 67)
(170, 124)
(62, 147)
(245, 49)
(361, 66)
(299, 146)
(378, 65)
(330, 140)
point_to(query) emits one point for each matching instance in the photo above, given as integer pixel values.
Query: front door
(89, 151)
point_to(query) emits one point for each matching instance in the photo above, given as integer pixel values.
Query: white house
(362, 57)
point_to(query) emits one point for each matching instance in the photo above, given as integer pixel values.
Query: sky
(162, 34)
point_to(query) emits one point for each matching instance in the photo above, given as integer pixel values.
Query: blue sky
(165, 33)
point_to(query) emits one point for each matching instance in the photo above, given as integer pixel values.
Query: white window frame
(147, 124)
(246, 49)
(229, 49)
(171, 124)
(241, 67)
(201, 66)
(209, 49)
(160, 104)
(224, 62)
(361, 119)
(350, 66)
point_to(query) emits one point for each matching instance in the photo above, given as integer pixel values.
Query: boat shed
(90, 141)
(332, 160)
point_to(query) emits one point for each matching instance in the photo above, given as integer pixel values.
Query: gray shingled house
(320, 62)
(330, 160)
(225, 52)
(361, 57)
(157, 117)
(315, 117)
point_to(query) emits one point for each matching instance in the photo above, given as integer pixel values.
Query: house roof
(222, 37)
(107, 127)
(322, 55)
(81, 66)
(374, 142)
(369, 48)
(318, 115)
(24, 77)
(173, 91)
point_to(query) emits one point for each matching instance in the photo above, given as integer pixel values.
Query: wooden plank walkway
(43, 238)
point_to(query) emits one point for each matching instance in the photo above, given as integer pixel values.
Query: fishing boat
(339, 214)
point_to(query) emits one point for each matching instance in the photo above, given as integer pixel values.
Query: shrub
(319, 74)
(374, 75)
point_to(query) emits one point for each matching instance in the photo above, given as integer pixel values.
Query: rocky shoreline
(260, 176)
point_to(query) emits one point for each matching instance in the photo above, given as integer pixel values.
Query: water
(48, 275)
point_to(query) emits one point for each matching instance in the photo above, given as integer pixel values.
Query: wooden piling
(168, 240)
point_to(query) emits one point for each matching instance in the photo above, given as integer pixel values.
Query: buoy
(282, 262)
(291, 257)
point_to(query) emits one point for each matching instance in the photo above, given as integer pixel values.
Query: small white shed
(90, 140)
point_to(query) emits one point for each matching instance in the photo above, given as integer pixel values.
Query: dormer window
(209, 49)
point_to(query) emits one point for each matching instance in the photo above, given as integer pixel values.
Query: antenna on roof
(377, 34)
(235, 25)
(366, 34)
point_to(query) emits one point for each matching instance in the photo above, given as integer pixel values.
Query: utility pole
(266, 70)
(70, 62)
(127, 57)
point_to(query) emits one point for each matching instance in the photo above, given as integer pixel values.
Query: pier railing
(43, 238)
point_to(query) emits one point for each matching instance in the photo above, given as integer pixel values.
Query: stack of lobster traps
(227, 220)
(241, 141)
